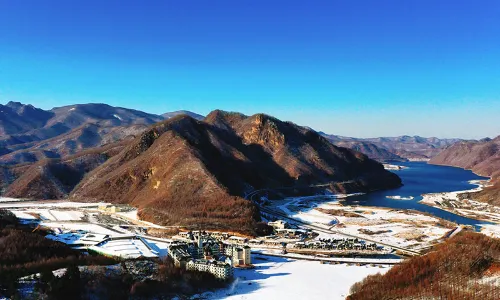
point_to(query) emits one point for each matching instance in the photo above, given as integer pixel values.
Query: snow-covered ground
(394, 167)
(432, 198)
(132, 214)
(125, 248)
(283, 278)
(451, 202)
(398, 197)
(7, 199)
(160, 247)
(49, 214)
(391, 226)
(492, 230)
(87, 227)
(55, 203)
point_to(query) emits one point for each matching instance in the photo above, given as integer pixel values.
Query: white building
(278, 224)
(240, 256)
(219, 269)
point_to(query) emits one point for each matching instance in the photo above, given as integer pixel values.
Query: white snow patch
(118, 117)
(23, 215)
(492, 230)
(87, 227)
(64, 215)
(129, 214)
(7, 199)
(51, 204)
(125, 248)
(282, 278)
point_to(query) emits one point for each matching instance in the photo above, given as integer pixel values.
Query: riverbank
(402, 227)
(451, 202)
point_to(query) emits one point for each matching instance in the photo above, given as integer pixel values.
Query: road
(338, 259)
(256, 192)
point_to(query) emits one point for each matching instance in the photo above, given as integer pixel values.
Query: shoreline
(439, 200)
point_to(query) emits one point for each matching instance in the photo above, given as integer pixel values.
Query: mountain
(371, 150)
(184, 171)
(17, 118)
(31, 134)
(394, 148)
(413, 145)
(482, 157)
(172, 114)
(53, 178)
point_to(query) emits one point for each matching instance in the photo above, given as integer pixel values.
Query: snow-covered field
(451, 202)
(391, 226)
(49, 214)
(87, 227)
(491, 230)
(125, 248)
(432, 198)
(283, 278)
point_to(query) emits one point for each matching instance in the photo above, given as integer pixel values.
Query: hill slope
(53, 178)
(185, 171)
(464, 267)
(482, 157)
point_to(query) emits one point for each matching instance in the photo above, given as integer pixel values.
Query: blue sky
(354, 68)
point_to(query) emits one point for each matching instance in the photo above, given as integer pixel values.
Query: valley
(155, 187)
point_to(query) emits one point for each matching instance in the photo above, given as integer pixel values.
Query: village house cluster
(338, 244)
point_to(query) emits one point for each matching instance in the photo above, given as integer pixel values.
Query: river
(422, 178)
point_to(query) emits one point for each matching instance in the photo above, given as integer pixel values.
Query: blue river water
(421, 178)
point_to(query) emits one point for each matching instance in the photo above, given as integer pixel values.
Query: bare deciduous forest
(456, 269)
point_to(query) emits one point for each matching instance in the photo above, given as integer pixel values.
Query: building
(278, 224)
(237, 240)
(179, 254)
(219, 269)
(240, 256)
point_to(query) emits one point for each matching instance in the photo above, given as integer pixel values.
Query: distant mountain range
(181, 170)
(399, 148)
(482, 157)
(30, 134)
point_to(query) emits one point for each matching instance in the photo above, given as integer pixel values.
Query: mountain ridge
(483, 158)
(190, 166)
(397, 148)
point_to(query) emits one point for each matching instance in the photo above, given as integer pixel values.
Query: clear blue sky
(356, 68)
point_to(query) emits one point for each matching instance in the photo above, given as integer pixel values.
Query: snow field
(283, 278)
